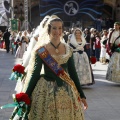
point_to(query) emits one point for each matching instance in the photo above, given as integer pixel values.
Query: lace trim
(61, 59)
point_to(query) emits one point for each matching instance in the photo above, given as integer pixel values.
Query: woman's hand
(84, 103)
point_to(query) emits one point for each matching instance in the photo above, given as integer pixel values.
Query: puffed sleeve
(34, 75)
(73, 74)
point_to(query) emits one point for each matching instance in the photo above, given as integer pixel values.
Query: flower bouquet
(18, 72)
(119, 45)
(115, 48)
(118, 48)
(15, 43)
(21, 104)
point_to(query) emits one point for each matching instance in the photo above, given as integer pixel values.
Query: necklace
(56, 47)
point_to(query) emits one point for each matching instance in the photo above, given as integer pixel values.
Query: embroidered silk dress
(113, 71)
(52, 98)
(82, 65)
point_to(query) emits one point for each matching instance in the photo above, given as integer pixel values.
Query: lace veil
(73, 38)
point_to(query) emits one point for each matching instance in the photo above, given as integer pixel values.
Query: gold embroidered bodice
(67, 63)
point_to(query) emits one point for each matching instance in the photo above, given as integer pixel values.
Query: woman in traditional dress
(17, 40)
(12, 42)
(82, 64)
(22, 45)
(113, 71)
(56, 95)
(104, 40)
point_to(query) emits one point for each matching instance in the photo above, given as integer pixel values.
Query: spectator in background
(87, 45)
(109, 23)
(12, 42)
(69, 36)
(97, 45)
(99, 24)
(104, 40)
(92, 41)
(18, 39)
(1, 39)
(22, 45)
(65, 36)
(6, 37)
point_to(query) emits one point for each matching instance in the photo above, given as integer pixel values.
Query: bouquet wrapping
(18, 72)
(21, 104)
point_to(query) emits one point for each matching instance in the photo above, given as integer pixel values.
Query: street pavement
(103, 97)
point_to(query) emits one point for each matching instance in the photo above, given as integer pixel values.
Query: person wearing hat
(113, 71)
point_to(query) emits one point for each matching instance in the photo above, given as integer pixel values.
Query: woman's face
(105, 33)
(56, 30)
(116, 26)
(20, 33)
(25, 33)
(78, 34)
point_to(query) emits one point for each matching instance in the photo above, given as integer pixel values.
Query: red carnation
(19, 68)
(23, 97)
(93, 60)
(15, 43)
(119, 45)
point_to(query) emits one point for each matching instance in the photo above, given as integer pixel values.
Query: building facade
(71, 12)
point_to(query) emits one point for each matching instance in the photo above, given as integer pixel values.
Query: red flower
(22, 97)
(119, 45)
(93, 60)
(15, 43)
(19, 68)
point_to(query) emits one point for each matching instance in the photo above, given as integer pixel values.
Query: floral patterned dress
(82, 65)
(52, 98)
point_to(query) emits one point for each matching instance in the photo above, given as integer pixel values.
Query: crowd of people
(65, 57)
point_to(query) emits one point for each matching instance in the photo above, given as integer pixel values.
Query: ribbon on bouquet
(18, 72)
(21, 104)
